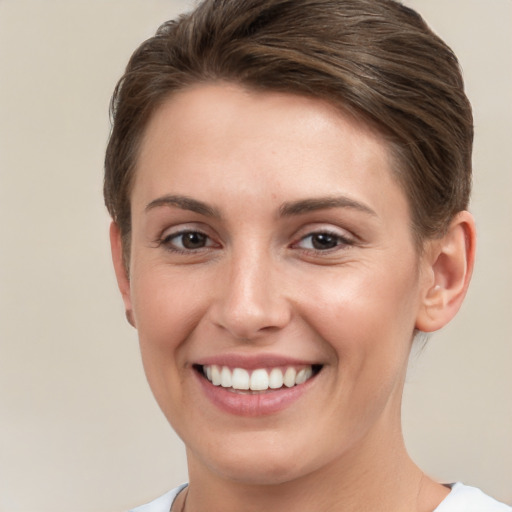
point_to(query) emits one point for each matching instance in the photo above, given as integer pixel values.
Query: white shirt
(462, 498)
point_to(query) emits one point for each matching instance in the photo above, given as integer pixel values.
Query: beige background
(79, 430)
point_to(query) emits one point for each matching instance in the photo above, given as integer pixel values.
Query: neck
(376, 475)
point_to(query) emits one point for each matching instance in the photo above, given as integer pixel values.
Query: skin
(262, 285)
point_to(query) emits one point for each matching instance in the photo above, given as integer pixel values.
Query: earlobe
(450, 265)
(121, 271)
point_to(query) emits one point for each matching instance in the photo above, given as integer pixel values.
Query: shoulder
(464, 498)
(161, 504)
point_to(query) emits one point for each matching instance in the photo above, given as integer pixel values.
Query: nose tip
(248, 319)
(251, 302)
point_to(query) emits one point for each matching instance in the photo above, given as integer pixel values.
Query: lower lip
(250, 405)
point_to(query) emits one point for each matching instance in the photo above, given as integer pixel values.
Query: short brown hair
(376, 59)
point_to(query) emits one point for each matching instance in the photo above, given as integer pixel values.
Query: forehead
(223, 109)
(218, 135)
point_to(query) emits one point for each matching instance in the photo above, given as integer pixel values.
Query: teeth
(240, 379)
(258, 380)
(225, 377)
(275, 379)
(216, 378)
(289, 377)
(303, 375)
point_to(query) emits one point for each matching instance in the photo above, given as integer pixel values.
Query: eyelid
(345, 238)
(165, 239)
(179, 228)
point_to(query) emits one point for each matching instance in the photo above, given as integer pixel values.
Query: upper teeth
(258, 380)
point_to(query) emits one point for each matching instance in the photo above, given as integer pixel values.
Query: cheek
(367, 322)
(166, 309)
(368, 314)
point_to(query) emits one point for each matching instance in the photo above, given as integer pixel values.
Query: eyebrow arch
(321, 203)
(184, 203)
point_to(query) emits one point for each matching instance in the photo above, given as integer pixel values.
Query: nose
(251, 301)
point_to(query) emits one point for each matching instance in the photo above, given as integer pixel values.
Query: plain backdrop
(79, 429)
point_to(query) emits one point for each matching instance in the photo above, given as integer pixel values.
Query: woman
(288, 182)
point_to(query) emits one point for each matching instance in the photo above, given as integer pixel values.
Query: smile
(258, 380)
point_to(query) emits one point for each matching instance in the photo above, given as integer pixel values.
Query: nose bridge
(251, 301)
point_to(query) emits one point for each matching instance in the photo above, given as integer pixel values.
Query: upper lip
(253, 362)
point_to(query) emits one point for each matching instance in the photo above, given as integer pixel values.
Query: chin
(260, 470)
(270, 462)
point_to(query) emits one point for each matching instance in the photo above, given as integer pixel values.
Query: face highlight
(274, 281)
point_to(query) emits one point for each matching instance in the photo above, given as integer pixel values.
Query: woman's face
(271, 244)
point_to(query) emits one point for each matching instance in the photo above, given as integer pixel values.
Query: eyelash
(167, 241)
(340, 242)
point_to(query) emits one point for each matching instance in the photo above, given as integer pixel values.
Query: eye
(187, 241)
(323, 241)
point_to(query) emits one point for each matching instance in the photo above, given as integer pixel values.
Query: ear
(449, 265)
(123, 280)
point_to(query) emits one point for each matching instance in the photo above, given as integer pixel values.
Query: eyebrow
(184, 203)
(286, 210)
(322, 203)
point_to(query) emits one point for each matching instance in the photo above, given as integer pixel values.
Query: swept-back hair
(375, 59)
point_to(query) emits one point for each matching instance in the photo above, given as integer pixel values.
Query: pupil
(194, 240)
(324, 241)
